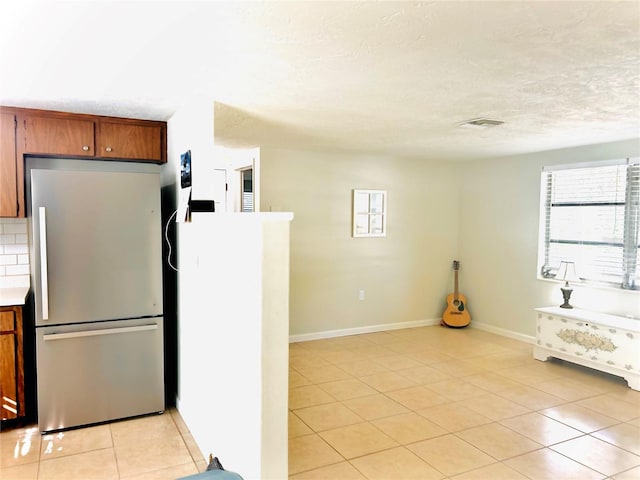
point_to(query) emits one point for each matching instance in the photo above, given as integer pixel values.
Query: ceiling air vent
(480, 123)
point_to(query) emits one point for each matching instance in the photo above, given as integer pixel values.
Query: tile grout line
(520, 384)
(115, 453)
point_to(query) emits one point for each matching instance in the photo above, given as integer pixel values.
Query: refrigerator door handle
(93, 333)
(44, 280)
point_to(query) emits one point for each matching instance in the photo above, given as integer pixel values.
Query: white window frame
(369, 221)
(628, 279)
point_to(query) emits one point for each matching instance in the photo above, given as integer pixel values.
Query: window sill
(594, 286)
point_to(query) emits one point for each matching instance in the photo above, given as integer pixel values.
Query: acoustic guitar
(456, 315)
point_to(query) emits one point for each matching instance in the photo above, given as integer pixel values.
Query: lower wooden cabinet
(11, 364)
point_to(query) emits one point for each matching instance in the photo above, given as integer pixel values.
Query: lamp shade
(567, 271)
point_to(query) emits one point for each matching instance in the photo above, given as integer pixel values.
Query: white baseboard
(305, 337)
(503, 332)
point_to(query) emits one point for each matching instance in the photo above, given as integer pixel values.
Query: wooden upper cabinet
(53, 135)
(130, 141)
(25, 131)
(8, 166)
(42, 132)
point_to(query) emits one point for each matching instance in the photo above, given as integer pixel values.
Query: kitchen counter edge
(13, 296)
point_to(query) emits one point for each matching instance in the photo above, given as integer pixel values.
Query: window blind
(591, 217)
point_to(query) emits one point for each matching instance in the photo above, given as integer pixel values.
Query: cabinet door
(58, 136)
(129, 141)
(8, 366)
(8, 165)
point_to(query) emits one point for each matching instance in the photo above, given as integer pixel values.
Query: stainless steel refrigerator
(96, 273)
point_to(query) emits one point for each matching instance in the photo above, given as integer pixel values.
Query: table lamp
(566, 272)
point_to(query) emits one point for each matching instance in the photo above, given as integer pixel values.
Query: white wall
(190, 128)
(233, 361)
(499, 217)
(232, 333)
(483, 213)
(231, 160)
(405, 275)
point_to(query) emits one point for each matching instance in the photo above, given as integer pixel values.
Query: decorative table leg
(633, 381)
(540, 354)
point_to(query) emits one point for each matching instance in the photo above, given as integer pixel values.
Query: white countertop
(10, 296)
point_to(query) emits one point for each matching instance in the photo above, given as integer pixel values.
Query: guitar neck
(455, 285)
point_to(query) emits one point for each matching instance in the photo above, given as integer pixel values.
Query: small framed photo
(369, 213)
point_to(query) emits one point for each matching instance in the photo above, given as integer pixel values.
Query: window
(591, 215)
(246, 198)
(369, 213)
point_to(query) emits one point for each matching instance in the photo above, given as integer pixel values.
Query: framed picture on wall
(369, 213)
(185, 169)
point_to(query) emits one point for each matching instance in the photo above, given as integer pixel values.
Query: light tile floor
(155, 447)
(424, 403)
(438, 403)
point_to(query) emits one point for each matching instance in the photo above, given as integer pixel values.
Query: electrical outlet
(361, 295)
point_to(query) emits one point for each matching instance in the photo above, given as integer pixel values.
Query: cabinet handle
(108, 149)
(85, 148)
(93, 333)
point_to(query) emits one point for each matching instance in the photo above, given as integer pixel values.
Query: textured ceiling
(385, 77)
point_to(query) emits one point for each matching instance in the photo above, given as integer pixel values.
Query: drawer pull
(85, 148)
(94, 333)
(108, 149)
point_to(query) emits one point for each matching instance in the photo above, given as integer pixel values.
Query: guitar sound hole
(456, 302)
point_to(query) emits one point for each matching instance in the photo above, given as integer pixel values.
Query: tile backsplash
(14, 252)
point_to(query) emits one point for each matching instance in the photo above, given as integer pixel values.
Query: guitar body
(456, 315)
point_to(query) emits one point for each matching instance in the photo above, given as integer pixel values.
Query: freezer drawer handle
(43, 263)
(93, 333)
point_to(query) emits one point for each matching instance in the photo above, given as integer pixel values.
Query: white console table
(608, 343)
